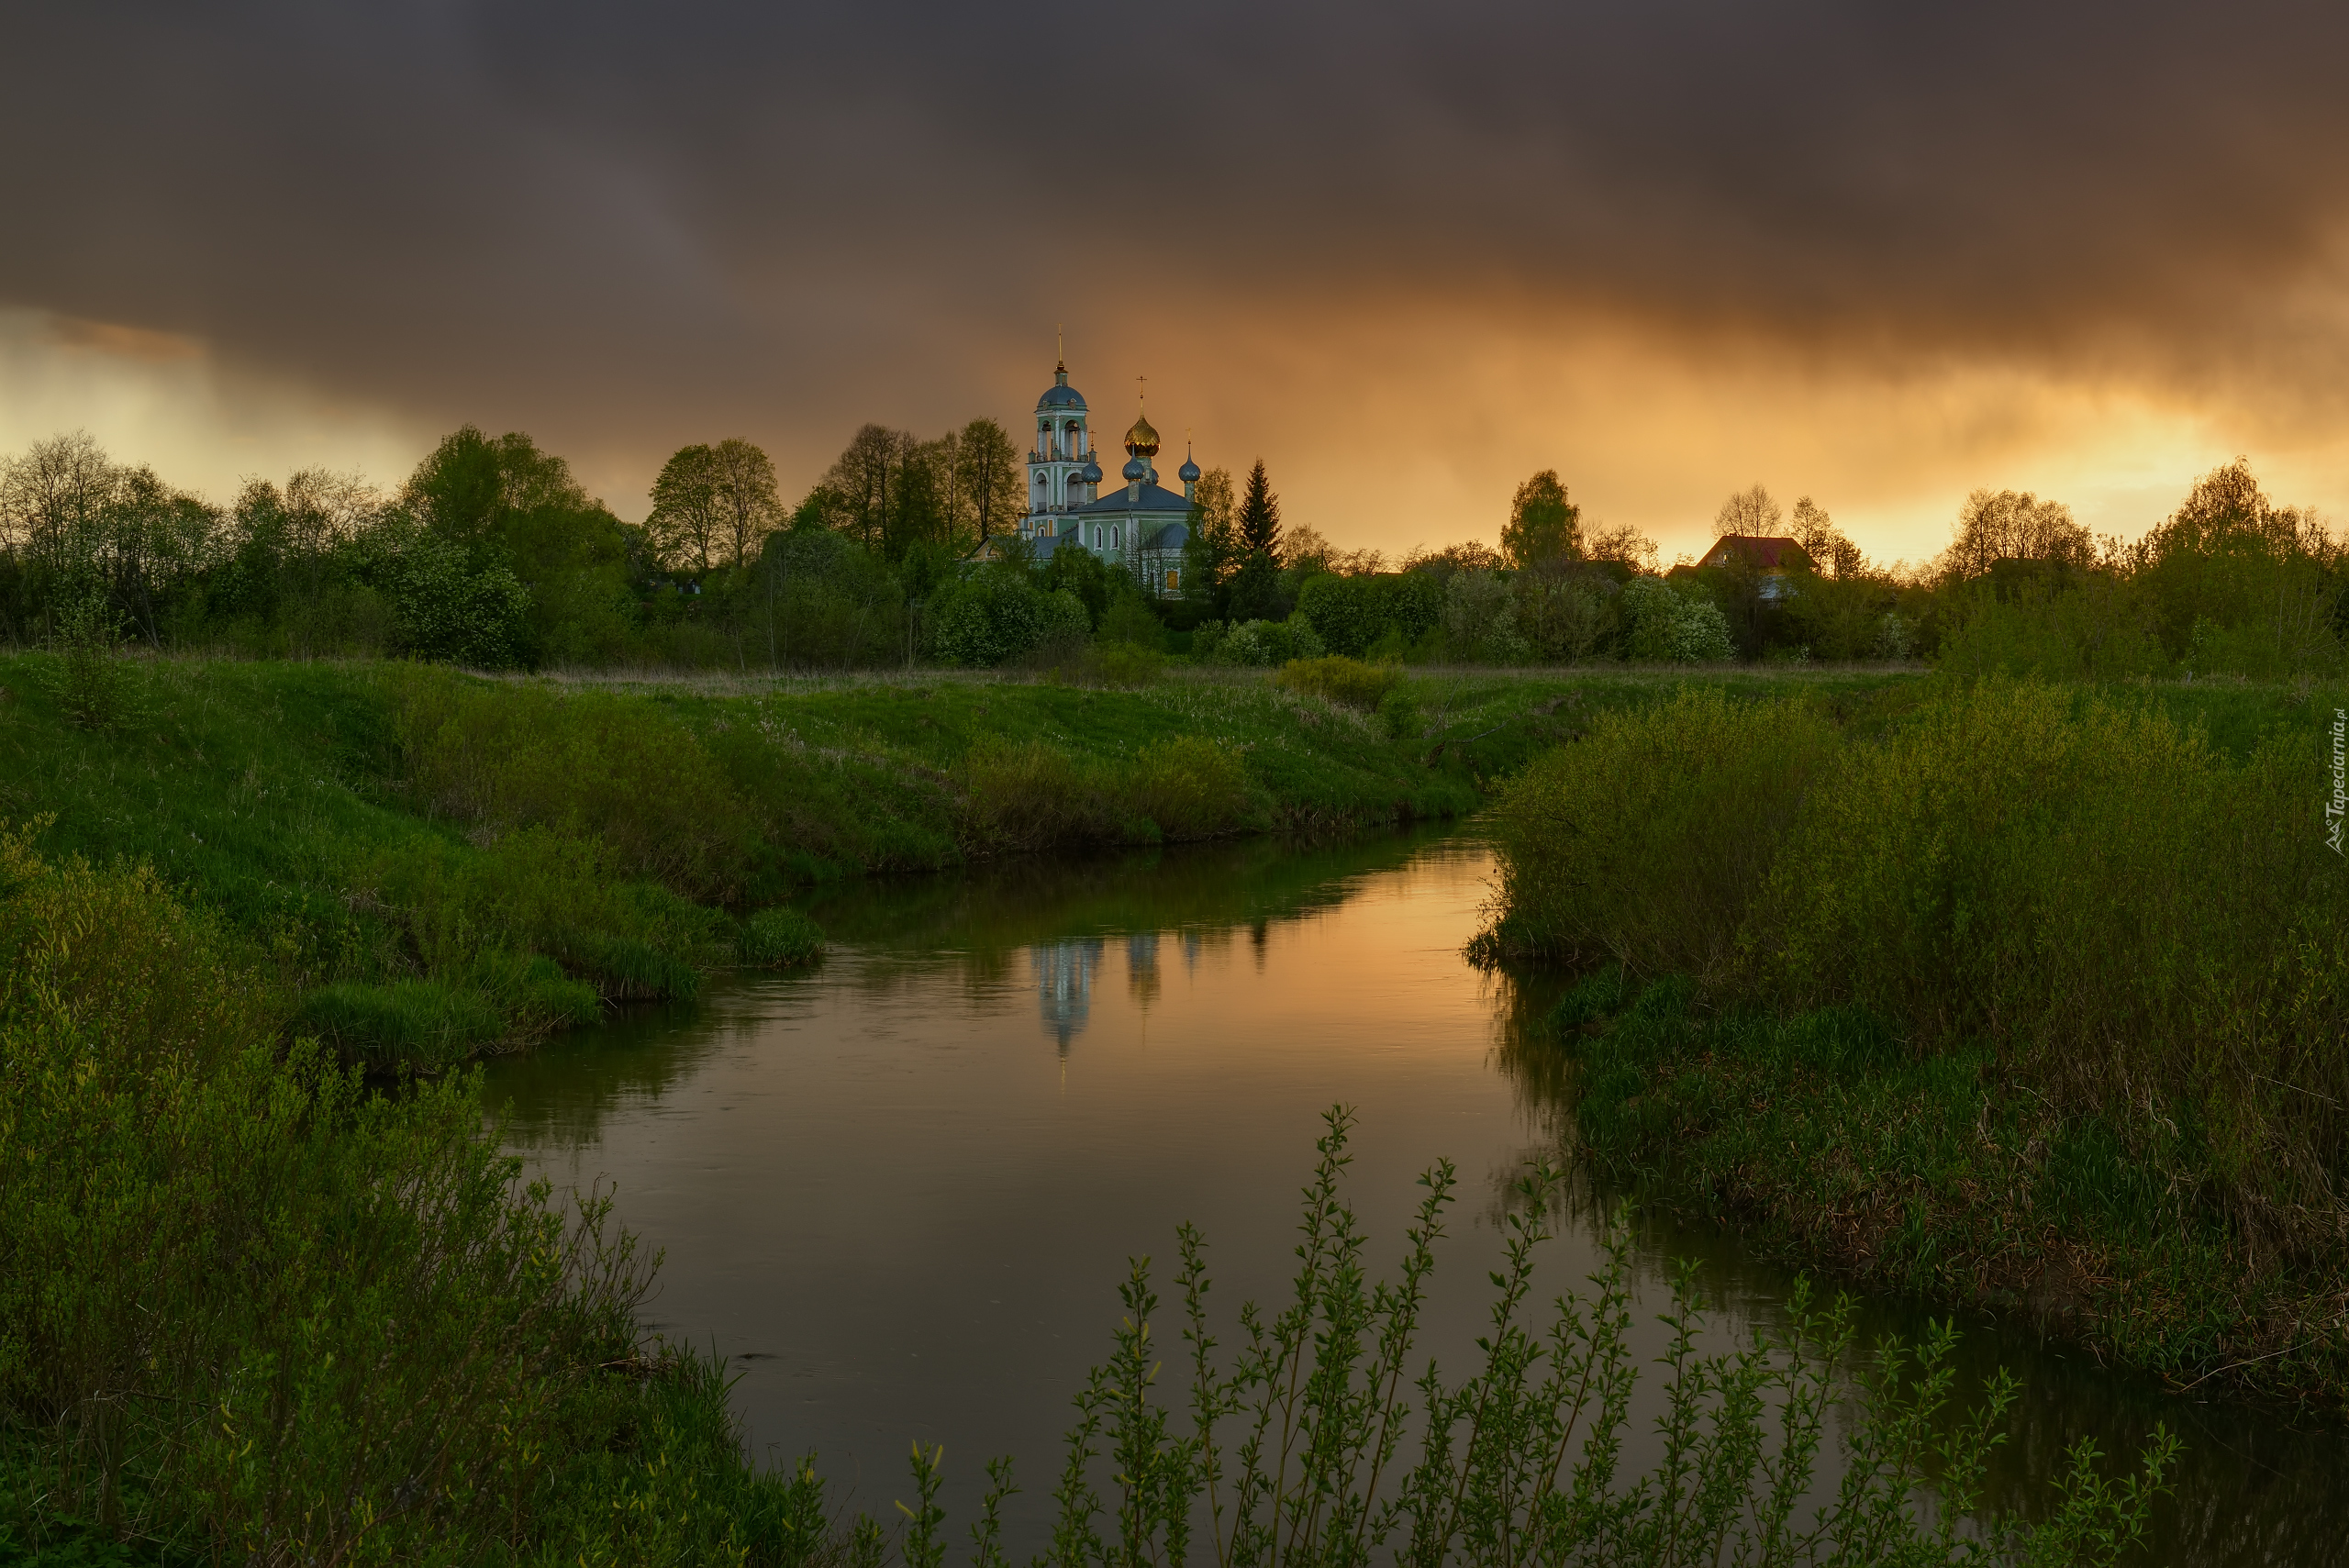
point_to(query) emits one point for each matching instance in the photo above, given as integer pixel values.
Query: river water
(899, 1190)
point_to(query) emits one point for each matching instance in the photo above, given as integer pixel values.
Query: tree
(1260, 516)
(1754, 513)
(862, 480)
(748, 506)
(1830, 552)
(990, 491)
(2007, 525)
(687, 516)
(50, 499)
(1212, 551)
(1543, 524)
(1626, 546)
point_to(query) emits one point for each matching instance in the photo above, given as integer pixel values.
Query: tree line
(491, 554)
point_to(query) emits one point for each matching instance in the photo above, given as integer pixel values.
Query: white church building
(1139, 525)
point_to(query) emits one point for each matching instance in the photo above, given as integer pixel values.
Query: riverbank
(432, 866)
(2030, 997)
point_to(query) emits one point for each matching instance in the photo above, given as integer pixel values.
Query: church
(1139, 525)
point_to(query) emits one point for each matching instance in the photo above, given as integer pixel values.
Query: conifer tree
(1260, 516)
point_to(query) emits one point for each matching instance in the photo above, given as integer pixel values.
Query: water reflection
(1064, 987)
(877, 1179)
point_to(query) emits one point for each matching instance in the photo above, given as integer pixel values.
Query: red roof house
(1762, 552)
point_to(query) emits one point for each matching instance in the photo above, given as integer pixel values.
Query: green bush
(995, 615)
(2139, 925)
(1341, 679)
(1645, 841)
(779, 938)
(251, 1311)
(1670, 627)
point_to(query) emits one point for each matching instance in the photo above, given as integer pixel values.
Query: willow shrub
(248, 1309)
(2116, 905)
(1645, 843)
(1326, 1435)
(2131, 919)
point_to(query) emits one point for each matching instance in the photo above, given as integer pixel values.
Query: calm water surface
(900, 1190)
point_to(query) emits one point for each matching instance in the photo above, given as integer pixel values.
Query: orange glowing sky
(1406, 256)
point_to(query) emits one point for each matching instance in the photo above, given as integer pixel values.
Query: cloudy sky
(1878, 253)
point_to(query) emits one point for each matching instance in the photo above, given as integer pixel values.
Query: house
(1769, 557)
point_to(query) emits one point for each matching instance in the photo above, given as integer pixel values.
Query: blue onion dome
(1190, 472)
(1060, 395)
(1142, 440)
(1092, 474)
(1135, 470)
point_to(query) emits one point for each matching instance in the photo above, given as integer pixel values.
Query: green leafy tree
(1213, 550)
(1543, 525)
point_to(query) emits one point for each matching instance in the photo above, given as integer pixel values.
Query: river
(898, 1190)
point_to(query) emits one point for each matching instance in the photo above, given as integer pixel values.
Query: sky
(1880, 255)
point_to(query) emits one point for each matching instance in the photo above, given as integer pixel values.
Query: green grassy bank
(436, 865)
(2031, 997)
(253, 1309)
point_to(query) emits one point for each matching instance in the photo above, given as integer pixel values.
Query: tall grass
(1030, 795)
(2136, 923)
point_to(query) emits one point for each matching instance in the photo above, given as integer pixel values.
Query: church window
(1174, 579)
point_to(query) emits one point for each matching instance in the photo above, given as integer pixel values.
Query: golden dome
(1142, 440)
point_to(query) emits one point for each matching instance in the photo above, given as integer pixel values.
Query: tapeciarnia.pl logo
(2333, 807)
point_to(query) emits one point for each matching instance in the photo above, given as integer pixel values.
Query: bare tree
(1754, 513)
(1831, 554)
(51, 500)
(2007, 525)
(748, 506)
(990, 490)
(864, 479)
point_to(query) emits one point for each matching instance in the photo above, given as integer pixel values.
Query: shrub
(995, 615)
(2136, 923)
(1323, 1440)
(1645, 841)
(1670, 627)
(1340, 680)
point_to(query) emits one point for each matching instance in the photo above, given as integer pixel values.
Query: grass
(410, 850)
(251, 1308)
(1826, 1139)
(2074, 898)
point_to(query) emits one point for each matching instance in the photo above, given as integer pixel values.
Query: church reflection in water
(1065, 986)
(1065, 973)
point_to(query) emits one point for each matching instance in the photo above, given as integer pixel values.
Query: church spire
(1060, 358)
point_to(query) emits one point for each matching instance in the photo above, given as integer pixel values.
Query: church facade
(1138, 525)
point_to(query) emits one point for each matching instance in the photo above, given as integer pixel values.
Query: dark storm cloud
(620, 220)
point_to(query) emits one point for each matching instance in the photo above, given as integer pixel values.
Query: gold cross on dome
(1141, 389)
